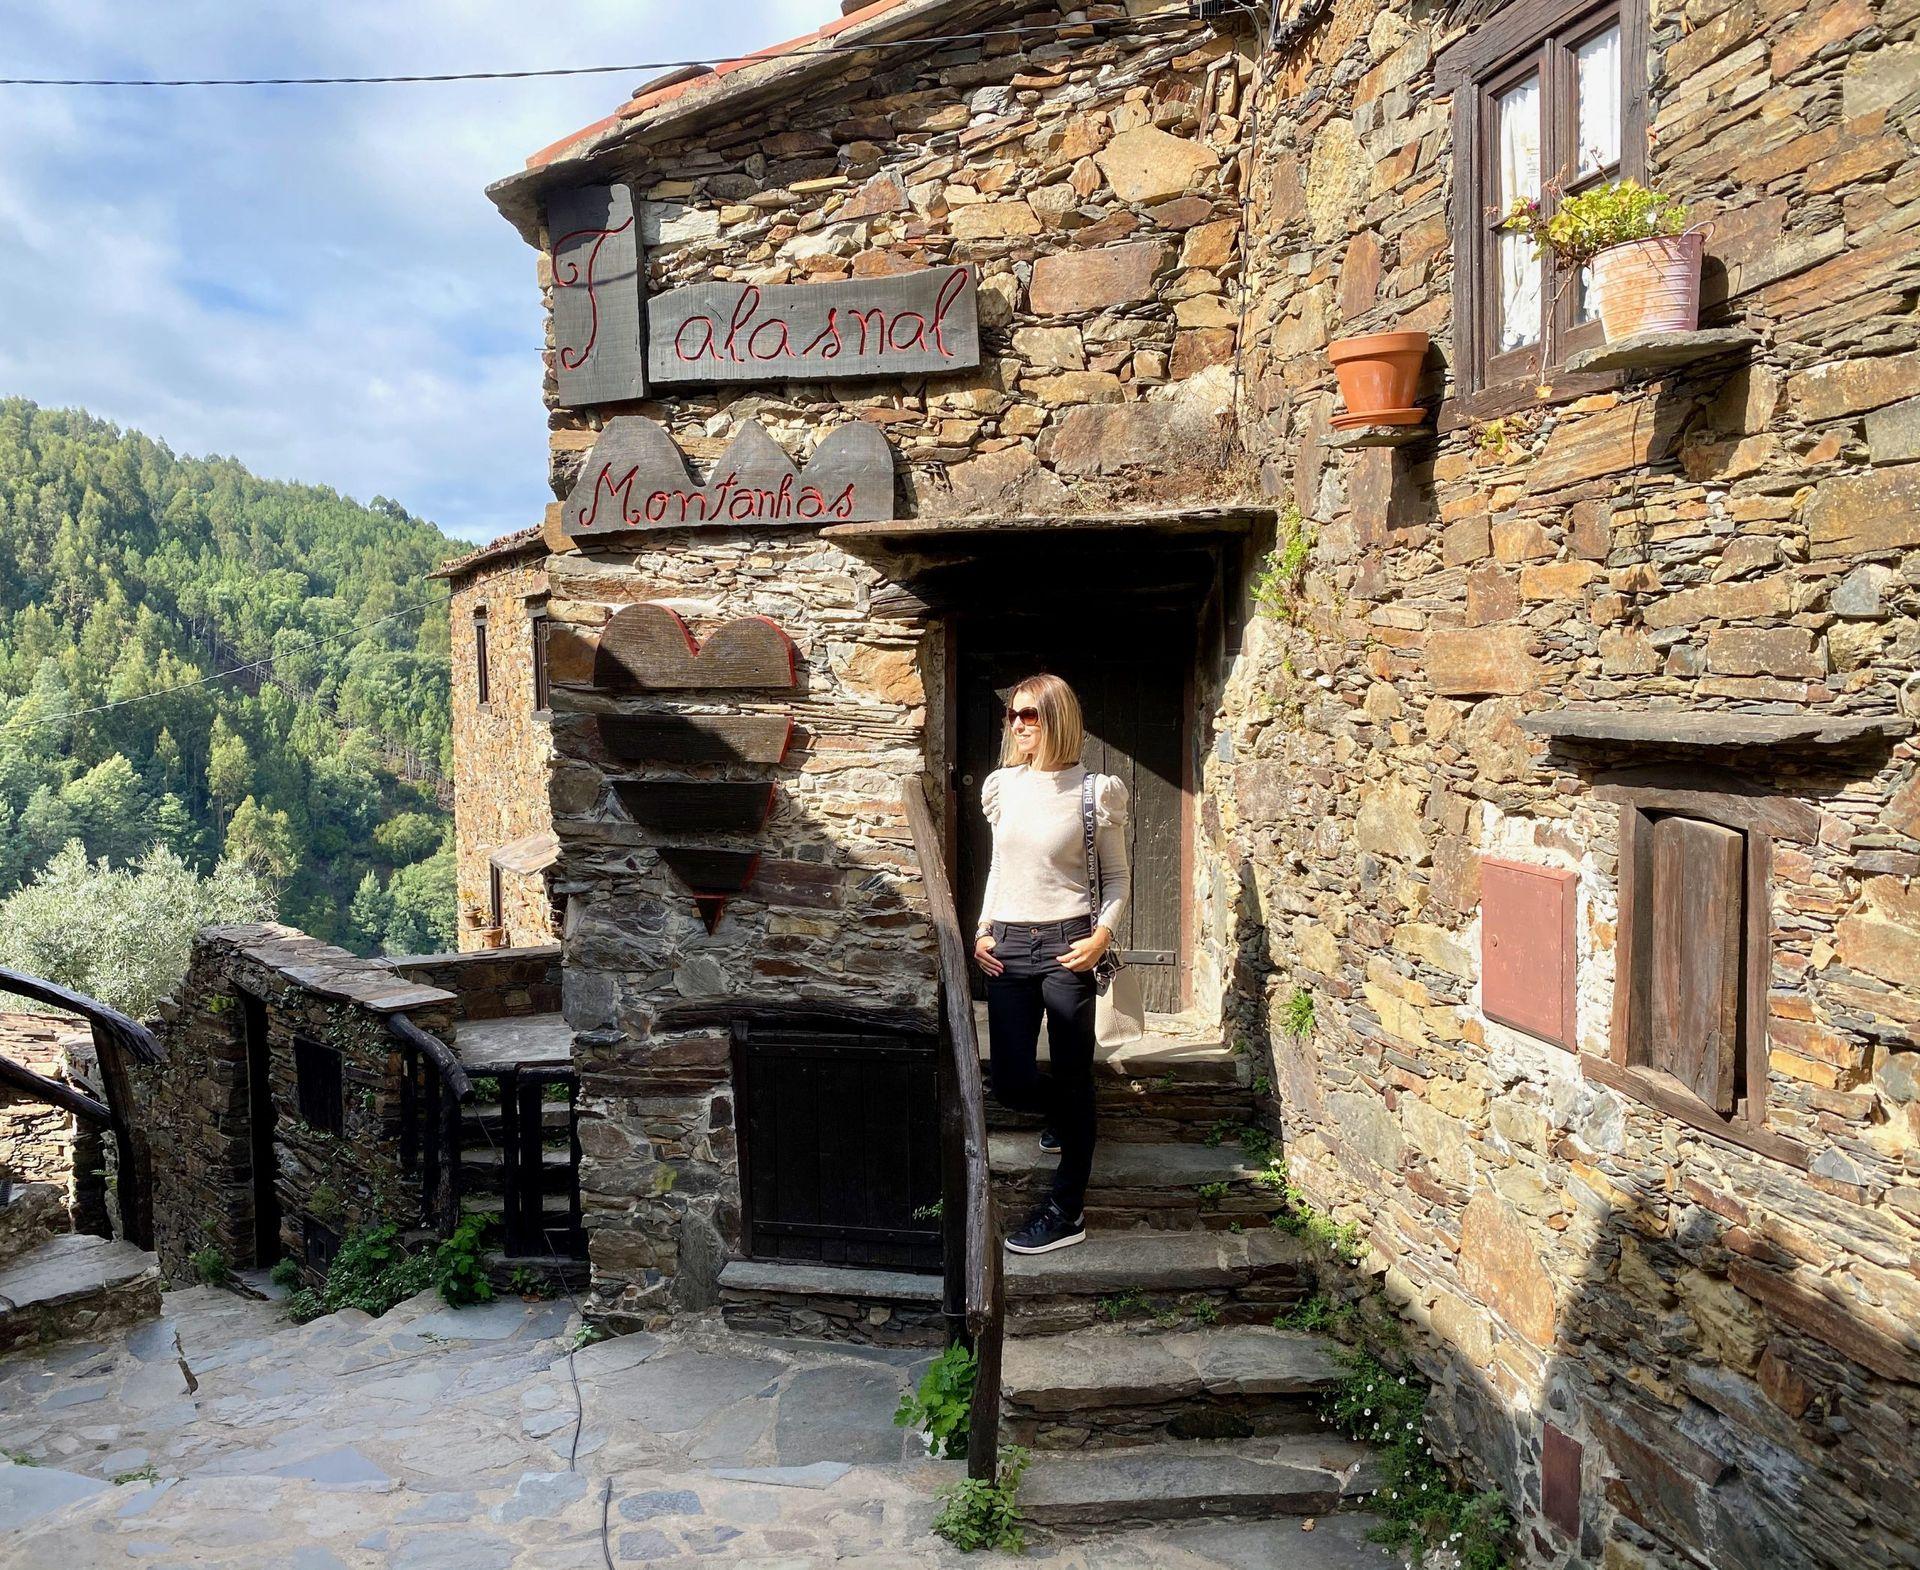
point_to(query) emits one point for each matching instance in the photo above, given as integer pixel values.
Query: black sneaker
(1049, 1142)
(1049, 1229)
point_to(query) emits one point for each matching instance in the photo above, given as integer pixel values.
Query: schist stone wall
(1092, 185)
(42, 1144)
(1669, 1348)
(501, 748)
(195, 1103)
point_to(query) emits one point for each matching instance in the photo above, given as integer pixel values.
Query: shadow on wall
(1641, 1369)
(809, 918)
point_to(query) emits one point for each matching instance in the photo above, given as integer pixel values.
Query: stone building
(1429, 740)
(503, 829)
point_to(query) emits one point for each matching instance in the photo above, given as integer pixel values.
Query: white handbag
(1119, 1014)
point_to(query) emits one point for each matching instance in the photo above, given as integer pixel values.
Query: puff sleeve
(1110, 846)
(990, 797)
(990, 810)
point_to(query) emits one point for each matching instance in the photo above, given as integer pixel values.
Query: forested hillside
(126, 571)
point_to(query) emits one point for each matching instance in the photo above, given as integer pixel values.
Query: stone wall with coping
(491, 983)
(196, 1110)
(1729, 1341)
(501, 751)
(1093, 186)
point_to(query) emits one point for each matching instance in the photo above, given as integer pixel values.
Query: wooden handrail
(18, 1076)
(129, 1035)
(973, 1279)
(437, 1051)
(436, 1145)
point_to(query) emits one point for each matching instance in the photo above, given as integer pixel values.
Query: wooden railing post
(973, 1279)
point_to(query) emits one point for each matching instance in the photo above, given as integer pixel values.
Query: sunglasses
(1023, 716)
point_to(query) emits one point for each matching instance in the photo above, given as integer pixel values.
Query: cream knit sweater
(1039, 870)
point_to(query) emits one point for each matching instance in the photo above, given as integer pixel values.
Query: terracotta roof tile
(643, 102)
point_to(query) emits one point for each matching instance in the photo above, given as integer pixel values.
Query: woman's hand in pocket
(983, 954)
(1085, 954)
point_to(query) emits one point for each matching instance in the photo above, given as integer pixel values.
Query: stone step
(1163, 1087)
(832, 1302)
(554, 1276)
(76, 1285)
(1179, 1277)
(484, 1170)
(1138, 1185)
(1095, 1389)
(1288, 1475)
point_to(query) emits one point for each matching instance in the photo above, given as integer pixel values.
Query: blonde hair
(1061, 728)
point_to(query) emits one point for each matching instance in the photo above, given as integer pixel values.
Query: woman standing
(1039, 938)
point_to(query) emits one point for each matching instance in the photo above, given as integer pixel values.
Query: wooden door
(260, 1132)
(839, 1144)
(1130, 673)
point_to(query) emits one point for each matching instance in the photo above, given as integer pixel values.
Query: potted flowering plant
(1645, 260)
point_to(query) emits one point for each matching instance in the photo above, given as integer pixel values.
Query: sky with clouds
(309, 278)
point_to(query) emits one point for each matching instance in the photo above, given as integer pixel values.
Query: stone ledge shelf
(1361, 436)
(1663, 351)
(1688, 728)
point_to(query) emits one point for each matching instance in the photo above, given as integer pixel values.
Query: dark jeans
(1035, 983)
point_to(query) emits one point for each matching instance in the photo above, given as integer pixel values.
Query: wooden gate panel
(839, 1144)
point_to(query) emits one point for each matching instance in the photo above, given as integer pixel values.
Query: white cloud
(310, 279)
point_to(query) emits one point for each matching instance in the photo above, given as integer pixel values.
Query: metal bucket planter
(1379, 375)
(1649, 286)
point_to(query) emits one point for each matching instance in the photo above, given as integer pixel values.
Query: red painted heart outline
(771, 658)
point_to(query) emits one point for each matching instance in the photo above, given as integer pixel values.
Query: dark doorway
(1130, 671)
(260, 1128)
(839, 1143)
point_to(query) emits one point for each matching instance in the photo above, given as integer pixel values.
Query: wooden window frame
(542, 682)
(319, 1085)
(482, 674)
(1532, 35)
(1643, 795)
(496, 897)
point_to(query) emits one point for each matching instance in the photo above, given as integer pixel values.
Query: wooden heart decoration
(648, 648)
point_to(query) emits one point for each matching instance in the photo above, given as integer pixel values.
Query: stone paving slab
(372, 1444)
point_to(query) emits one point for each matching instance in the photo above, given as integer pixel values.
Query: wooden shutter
(1693, 1024)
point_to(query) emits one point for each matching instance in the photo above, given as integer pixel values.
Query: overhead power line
(825, 46)
(232, 670)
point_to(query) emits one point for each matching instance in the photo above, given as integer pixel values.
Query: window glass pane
(1517, 139)
(1597, 71)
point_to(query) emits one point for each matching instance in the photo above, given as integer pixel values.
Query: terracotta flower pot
(1379, 375)
(1649, 286)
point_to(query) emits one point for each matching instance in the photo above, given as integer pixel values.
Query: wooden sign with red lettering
(910, 324)
(636, 478)
(599, 351)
